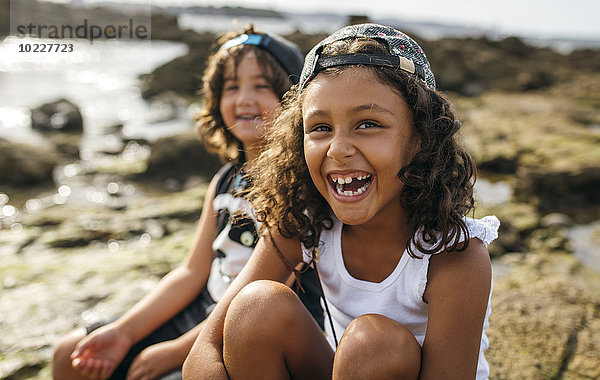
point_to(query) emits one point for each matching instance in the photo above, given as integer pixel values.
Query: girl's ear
(416, 143)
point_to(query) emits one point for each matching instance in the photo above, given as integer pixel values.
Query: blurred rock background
(84, 235)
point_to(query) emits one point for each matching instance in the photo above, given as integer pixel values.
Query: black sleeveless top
(230, 183)
(233, 238)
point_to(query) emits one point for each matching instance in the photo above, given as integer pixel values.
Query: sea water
(102, 79)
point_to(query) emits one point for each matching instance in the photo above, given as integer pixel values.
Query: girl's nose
(245, 96)
(340, 147)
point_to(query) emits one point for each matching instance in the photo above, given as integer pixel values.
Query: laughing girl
(365, 179)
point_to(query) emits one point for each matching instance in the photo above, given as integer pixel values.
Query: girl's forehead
(353, 89)
(232, 62)
(248, 61)
(357, 73)
(351, 77)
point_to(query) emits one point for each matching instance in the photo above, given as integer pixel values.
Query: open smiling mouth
(249, 117)
(350, 186)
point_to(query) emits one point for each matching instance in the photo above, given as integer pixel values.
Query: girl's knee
(266, 303)
(61, 359)
(262, 296)
(66, 344)
(375, 346)
(258, 322)
(375, 328)
(267, 333)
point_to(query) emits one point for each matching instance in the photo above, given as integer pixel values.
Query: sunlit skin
(247, 103)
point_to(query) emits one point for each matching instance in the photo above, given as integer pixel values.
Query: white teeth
(350, 193)
(340, 181)
(343, 180)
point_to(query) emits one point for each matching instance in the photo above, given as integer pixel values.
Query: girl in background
(243, 85)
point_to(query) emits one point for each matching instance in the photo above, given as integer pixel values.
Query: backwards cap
(406, 54)
(285, 52)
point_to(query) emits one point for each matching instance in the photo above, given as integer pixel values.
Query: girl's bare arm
(108, 345)
(458, 289)
(205, 360)
(180, 286)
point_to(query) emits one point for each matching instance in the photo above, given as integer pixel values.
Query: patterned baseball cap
(406, 54)
(285, 52)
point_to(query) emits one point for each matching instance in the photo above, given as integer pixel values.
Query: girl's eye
(263, 85)
(368, 124)
(320, 128)
(230, 87)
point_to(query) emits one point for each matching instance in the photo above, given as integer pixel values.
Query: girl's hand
(97, 355)
(154, 361)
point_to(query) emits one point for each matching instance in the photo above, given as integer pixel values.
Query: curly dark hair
(438, 182)
(210, 127)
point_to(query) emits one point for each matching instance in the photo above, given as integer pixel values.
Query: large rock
(180, 157)
(471, 66)
(66, 144)
(560, 190)
(545, 322)
(548, 140)
(182, 75)
(22, 164)
(165, 26)
(59, 116)
(585, 59)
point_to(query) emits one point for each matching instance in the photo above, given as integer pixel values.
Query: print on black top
(244, 231)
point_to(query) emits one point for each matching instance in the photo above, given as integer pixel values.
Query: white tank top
(399, 296)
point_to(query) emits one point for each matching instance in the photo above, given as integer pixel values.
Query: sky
(533, 18)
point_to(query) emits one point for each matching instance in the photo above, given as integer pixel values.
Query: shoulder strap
(314, 263)
(224, 180)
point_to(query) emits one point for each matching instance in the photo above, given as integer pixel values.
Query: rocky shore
(83, 240)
